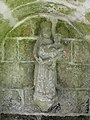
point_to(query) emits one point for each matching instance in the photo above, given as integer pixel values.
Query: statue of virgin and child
(47, 51)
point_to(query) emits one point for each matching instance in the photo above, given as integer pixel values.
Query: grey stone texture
(26, 50)
(12, 100)
(10, 48)
(81, 52)
(17, 117)
(31, 117)
(16, 75)
(73, 76)
(17, 62)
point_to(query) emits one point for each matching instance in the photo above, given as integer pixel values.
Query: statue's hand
(39, 60)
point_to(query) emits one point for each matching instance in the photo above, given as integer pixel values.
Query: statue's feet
(43, 102)
(55, 108)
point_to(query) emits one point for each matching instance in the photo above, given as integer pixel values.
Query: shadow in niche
(64, 118)
(17, 117)
(34, 117)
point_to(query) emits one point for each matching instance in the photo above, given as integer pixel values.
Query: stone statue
(46, 52)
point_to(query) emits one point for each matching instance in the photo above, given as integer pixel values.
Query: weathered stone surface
(82, 28)
(16, 75)
(11, 50)
(29, 105)
(32, 117)
(12, 100)
(4, 27)
(26, 74)
(25, 29)
(83, 99)
(62, 118)
(26, 50)
(68, 101)
(81, 52)
(10, 75)
(13, 4)
(17, 117)
(0, 50)
(66, 29)
(1, 73)
(73, 76)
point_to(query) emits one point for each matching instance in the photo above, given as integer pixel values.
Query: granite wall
(17, 61)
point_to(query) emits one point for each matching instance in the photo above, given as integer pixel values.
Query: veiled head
(46, 29)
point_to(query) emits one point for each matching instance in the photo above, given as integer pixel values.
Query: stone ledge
(47, 114)
(41, 117)
(20, 101)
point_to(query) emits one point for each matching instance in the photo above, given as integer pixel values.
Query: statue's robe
(45, 75)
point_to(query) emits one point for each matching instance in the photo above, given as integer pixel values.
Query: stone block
(66, 30)
(10, 75)
(26, 74)
(26, 29)
(1, 72)
(61, 118)
(18, 117)
(83, 101)
(73, 76)
(4, 27)
(0, 50)
(26, 50)
(33, 117)
(12, 100)
(29, 105)
(1, 98)
(81, 52)
(28, 95)
(16, 75)
(10, 50)
(68, 101)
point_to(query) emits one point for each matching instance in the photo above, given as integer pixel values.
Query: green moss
(81, 53)
(26, 74)
(4, 28)
(83, 28)
(16, 75)
(66, 30)
(0, 51)
(73, 76)
(26, 50)
(88, 16)
(28, 28)
(10, 47)
(14, 3)
(25, 29)
(31, 9)
(41, 7)
(81, 0)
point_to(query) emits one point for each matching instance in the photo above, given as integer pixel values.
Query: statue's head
(46, 29)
